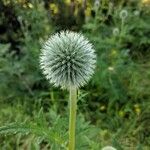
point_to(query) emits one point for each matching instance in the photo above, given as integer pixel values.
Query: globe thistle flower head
(123, 14)
(115, 31)
(136, 13)
(96, 4)
(108, 148)
(68, 59)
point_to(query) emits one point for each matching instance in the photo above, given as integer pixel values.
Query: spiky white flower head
(68, 59)
(96, 4)
(136, 13)
(115, 31)
(108, 148)
(123, 14)
(111, 68)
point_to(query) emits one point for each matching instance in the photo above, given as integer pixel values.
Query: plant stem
(121, 30)
(72, 117)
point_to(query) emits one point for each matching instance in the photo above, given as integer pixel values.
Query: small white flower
(111, 68)
(68, 59)
(123, 14)
(96, 4)
(108, 148)
(115, 31)
(136, 13)
(19, 18)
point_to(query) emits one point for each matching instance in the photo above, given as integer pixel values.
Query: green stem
(72, 117)
(121, 31)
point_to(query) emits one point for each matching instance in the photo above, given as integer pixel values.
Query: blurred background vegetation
(113, 109)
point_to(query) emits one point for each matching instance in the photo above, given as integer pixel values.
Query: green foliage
(19, 69)
(120, 54)
(52, 131)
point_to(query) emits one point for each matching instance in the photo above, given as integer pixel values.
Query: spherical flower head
(115, 31)
(108, 148)
(68, 59)
(96, 4)
(136, 13)
(123, 14)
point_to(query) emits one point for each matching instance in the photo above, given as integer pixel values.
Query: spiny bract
(68, 59)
